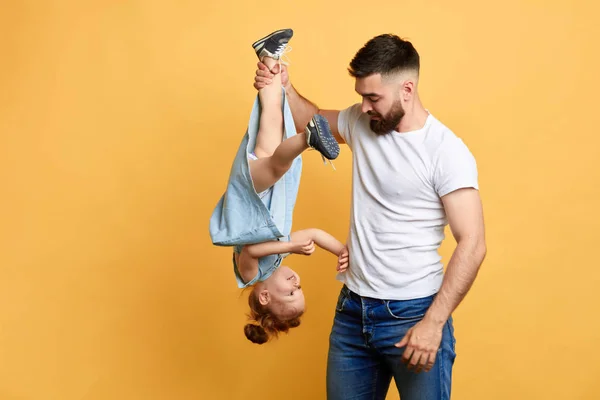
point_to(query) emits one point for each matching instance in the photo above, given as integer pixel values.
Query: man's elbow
(480, 250)
(475, 247)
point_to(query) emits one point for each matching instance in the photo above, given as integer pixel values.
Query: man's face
(382, 101)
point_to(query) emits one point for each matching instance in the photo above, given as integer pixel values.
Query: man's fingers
(263, 79)
(404, 340)
(264, 74)
(408, 353)
(414, 360)
(275, 69)
(423, 362)
(430, 362)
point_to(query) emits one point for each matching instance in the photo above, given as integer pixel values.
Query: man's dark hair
(384, 54)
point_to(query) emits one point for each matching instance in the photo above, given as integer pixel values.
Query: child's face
(284, 287)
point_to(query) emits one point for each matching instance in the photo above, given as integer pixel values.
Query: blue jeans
(362, 358)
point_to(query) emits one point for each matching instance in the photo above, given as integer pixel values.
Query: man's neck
(414, 118)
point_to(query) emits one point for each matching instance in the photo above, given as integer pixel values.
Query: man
(411, 176)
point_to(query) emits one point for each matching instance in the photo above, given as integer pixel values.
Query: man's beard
(388, 123)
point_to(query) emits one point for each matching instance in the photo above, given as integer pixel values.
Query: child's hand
(342, 264)
(305, 248)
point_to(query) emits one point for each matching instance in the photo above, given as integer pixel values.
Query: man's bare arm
(465, 218)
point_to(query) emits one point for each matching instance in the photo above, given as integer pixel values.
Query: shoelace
(330, 162)
(324, 159)
(282, 51)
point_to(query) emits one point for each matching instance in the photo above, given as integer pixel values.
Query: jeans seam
(441, 372)
(362, 320)
(445, 395)
(375, 384)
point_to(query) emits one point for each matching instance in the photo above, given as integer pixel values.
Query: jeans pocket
(341, 301)
(408, 310)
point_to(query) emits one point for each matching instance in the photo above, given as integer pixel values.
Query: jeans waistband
(350, 294)
(355, 296)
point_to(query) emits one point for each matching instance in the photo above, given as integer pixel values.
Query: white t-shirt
(397, 218)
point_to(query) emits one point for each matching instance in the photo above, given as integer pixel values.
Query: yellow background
(118, 124)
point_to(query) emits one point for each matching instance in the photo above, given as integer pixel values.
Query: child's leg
(268, 170)
(275, 156)
(270, 131)
(321, 238)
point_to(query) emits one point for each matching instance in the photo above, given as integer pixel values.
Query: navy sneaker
(320, 137)
(273, 45)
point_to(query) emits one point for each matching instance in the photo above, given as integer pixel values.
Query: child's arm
(327, 242)
(321, 238)
(278, 247)
(301, 242)
(247, 260)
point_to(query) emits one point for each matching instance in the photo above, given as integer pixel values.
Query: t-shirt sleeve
(347, 120)
(456, 167)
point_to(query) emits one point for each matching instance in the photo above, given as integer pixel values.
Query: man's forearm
(302, 109)
(460, 275)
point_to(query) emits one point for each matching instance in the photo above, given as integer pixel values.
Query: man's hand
(305, 248)
(264, 76)
(342, 264)
(422, 342)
